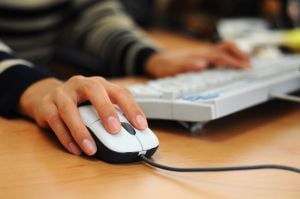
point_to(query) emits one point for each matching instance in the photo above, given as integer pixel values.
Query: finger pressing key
(95, 92)
(122, 97)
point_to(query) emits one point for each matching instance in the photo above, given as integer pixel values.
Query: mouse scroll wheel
(128, 128)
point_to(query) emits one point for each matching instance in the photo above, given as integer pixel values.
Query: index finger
(235, 52)
(95, 92)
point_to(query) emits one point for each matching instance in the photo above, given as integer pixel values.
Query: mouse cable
(220, 169)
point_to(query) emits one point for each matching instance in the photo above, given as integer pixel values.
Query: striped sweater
(32, 31)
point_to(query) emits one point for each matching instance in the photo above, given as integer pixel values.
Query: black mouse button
(128, 128)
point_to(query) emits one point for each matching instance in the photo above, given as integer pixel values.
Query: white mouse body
(123, 147)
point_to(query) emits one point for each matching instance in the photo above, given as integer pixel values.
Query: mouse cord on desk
(220, 169)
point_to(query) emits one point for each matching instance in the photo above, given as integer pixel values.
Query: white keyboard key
(142, 91)
(168, 92)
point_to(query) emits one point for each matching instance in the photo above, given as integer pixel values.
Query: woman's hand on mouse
(168, 63)
(52, 103)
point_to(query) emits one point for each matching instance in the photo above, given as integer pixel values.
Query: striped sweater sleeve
(105, 30)
(15, 76)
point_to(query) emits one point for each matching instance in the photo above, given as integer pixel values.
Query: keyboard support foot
(286, 97)
(192, 126)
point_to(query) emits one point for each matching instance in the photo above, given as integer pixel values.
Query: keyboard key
(203, 96)
(141, 91)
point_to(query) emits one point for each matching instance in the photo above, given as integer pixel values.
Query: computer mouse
(124, 147)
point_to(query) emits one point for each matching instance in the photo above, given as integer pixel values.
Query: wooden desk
(34, 165)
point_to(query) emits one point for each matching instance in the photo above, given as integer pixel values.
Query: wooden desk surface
(34, 165)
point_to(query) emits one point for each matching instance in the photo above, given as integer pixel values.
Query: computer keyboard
(214, 93)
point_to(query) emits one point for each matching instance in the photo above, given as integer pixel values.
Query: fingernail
(73, 148)
(142, 122)
(114, 124)
(201, 64)
(89, 147)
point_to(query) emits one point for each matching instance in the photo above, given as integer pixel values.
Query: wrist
(154, 64)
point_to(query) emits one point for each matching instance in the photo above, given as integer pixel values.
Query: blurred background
(200, 17)
(265, 26)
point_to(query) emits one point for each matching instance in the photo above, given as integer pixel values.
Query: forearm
(15, 76)
(107, 32)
